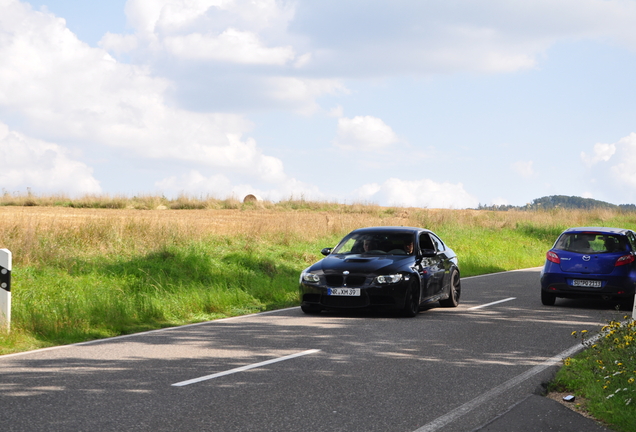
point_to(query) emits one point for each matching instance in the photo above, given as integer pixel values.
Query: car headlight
(310, 277)
(389, 279)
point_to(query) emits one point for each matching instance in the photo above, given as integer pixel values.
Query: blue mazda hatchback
(590, 262)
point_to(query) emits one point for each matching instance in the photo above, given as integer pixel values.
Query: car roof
(604, 230)
(391, 228)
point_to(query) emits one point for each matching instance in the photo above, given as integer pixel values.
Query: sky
(415, 103)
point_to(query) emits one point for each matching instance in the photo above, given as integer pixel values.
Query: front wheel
(412, 300)
(455, 291)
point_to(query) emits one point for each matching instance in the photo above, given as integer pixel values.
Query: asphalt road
(444, 370)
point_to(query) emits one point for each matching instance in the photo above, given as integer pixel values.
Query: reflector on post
(5, 288)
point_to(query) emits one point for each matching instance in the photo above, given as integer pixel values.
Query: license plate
(586, 283)
(343, 291)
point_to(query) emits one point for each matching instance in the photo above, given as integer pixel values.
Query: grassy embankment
(101, 266)
(604, 374)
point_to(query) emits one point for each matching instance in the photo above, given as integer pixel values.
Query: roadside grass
(76, 298)
(605, 374)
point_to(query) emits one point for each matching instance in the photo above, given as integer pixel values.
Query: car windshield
(587, 242)
(377, 243)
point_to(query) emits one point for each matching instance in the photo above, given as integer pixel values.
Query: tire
(412, 301)
(310, 309)
(626, 305)
(547, 299)
(455, 291)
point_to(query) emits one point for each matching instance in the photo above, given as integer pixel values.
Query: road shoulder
(541, 414)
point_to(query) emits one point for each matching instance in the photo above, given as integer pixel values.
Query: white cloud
(218, 30)
(119, 44)
(419, 193)
(239, 37)
(602, 152)
(438, 36)
(300, 94)
(45, 167)
(194, 183)
(336, 111)
(222, 187)
(336, 39)
(625, 170)
(523, 168)
(364, 133)
(172, 16)
(232, 46)
(303, 60)
(66, 90)
(292, 40)
(611, 170)
(499, 201)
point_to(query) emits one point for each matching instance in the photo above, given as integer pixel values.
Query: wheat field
(22, 228)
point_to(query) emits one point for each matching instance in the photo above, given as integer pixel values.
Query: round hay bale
(251, 198)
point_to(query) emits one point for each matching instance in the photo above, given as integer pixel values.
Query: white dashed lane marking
(244, 368)
(490, 304)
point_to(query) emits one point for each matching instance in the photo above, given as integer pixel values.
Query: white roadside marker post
(5, 288)
(634, 309)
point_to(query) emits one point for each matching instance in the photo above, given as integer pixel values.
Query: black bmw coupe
(399, 268)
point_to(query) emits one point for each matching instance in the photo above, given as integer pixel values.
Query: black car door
(432, 265)
(443, 263)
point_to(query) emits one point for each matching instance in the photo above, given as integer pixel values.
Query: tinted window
(592, 243)
(425, 242)
(375, 243)
(632, 240)
(438, 243)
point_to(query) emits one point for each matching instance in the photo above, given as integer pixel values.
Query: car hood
(362, 263)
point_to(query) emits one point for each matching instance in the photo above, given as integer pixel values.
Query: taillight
(625, 259)
(551, 256)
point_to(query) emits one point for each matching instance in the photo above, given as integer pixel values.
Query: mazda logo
(586, 257)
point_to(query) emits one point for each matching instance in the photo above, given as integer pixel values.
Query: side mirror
(428, 253)
(326, 251)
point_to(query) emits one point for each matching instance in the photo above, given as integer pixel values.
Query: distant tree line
(562, 201)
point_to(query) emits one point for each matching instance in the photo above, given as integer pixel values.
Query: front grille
(345, 302)
(355, 281)
(338, 281)
(334, 280)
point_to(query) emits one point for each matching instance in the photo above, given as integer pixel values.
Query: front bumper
(390, 296)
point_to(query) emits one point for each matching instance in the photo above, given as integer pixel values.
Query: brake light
(625, 259)
(552, 256)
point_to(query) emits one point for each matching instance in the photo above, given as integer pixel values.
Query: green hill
(565, 202)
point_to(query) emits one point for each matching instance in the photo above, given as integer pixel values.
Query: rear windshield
(592, 243)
